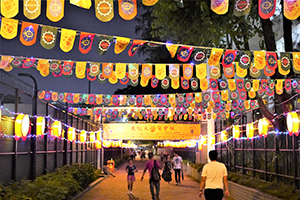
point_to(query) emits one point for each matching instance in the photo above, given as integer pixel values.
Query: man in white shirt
(213, 176)
(177, 161)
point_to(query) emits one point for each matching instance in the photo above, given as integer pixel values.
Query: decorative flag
(219, 6)
(229, 58)
(136, 44)
(28, 62)
(101, 79)
(269, 72)
(291, 9)
(121, 44)
(55, 10)
(223, 85)
(133, 71)
(172, 48)
(215, 57)
(67, 68)
(260, 59)
(113, 79)
(231, 84)
(124, 80)
(104, 43)
(215, 71)
(48, 37)
(146, 71)
(43, 67)
(149, 2)
(175, 83)
(165, 83)
(160, 71)
(203, 84)
(247, 85)
(254, 71)
(240, 72)
(240, 84)
(184, 53)
(280, 70)
(255, 84)
(187, 71)
(28, 33)
(9, 27)
(104, 10)
(107, 70)
(144, 82)
(224, 95)
(242, 7)
(9, 8)
(271, 60)
(16, 62)
(194, 83)
(266, 8)
(120, 70)
(296, 61)
(199, 55)
(80, 70)
(279, 86)
(127, 9)
(243, 94)
(185, 83)
(94, 69)
(85, 42)
(285, 59)
(201, 72)
(154, 81)
(32, 8)
(174, 71)
(245, 59)
(229, 71)
(67, 39)
(213, 84)
(86, 4)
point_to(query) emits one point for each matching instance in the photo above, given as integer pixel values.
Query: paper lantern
(250, 130)
(82, 137)
(56, 129)
(98, 145)
(292, 122)
(22, 125)
(212, 140)
(99, 135)
(71, 134)
(263, 126)
(40, 126)
(224, 135)
(92, 137)
(236, 131)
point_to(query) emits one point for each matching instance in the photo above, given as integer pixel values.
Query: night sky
(77, 19)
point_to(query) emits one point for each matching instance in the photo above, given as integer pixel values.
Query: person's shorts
(131, 178)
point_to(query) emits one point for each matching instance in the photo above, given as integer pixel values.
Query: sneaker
(128, 192)
(176, 183)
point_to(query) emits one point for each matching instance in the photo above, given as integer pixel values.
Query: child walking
(130, 169)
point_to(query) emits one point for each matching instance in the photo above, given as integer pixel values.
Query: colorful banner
(67, 39)
(9, 8)
(127, 9)
(149, 2)
(291, 9)
(85, 42)
(32, 8)
(121, 44)
(104, 10)
(55, 10)
(48, 37)
(86, 4)
(28, 33)
(9, 28)
(219, 6)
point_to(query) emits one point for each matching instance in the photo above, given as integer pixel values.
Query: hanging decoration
(67, 39)
(86, 4)
(32, 8)
(22, 126)
(9, 8)
(292, 122)
(127, 9)
(55, 10)
(28, 33)
(9, 27)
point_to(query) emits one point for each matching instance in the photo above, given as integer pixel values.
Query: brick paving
(115, 188)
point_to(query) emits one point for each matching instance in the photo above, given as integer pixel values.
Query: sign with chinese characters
(148, 131)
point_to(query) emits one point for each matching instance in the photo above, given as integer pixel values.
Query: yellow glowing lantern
(22, 125)
(82, 137)
(40, 126)
(263, 126)
(236, 131)
(212, 140)
(292, 122)
(204, 139)
(98, 145)
(224, 135)
(71, 134)
(250, 130)
(200, 146)
(92, 137)
(99, 135)
(56, 128)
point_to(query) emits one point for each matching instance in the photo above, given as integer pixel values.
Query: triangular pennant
(9, 27)
(185, 83)
(215, 71)
(204, 84)
(172, 48)
(146, 71)
(201, 72)
(67, 68)
(86, 4)
(104, 10)
(113, 79)
(224, 95)
(291, 9)
(175, 83)
(266, 8)
(80, 70)
(199, 55)
(245, 59)
(165, 83)
(215, 57)
(184, 53)
(124, 80)
(28, 33)
(55, 10)
(127, 9)
(149, 2)
(187, 71)
(154, 81)
(231, 84)
(67, 38)
(94, 69)
(121, 44)
(242, 7)
(260, 59)
(160, 71)
(48, 37)
(229, 71)
(32, 8)
(9, 8)
(104, 43)
(85, 42)
(229, 58)
(194, 84)
(136, 44)
(240, 72)
(107, 70)
(214, 84)
(219, 7)
(271, 60)
(152, 45)
(133, 71)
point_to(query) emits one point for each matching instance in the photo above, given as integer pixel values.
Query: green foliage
(198, 166)
(64, 183)
(280, 190)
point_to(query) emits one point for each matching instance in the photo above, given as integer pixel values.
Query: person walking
(153, 168)
(214, 174)
(167, 169)
(177, 161)
(130, 169)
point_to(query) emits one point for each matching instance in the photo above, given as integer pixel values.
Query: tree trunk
(287, 32)
(269, 35)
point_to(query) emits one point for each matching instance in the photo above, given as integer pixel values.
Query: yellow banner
(133, 131)
(9, 8)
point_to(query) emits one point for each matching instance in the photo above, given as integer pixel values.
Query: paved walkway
(115, 188)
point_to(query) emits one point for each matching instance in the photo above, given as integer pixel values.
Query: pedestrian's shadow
(131, 197)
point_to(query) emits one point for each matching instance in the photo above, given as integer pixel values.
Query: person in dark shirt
(130, 169)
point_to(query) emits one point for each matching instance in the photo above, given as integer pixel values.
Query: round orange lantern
(71, 134)
(250, 130)
(236, 131)
(82, 136)
(40, 126)
(292, 122)
(263, 126)
(22, 125)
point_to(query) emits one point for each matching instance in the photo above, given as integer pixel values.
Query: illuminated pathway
(115, 188)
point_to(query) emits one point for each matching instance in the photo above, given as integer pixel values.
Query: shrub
(198, 166)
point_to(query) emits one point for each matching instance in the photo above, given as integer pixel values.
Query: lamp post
(33, 130)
